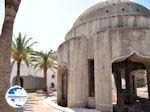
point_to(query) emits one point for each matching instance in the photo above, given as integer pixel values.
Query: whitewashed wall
(25, 71)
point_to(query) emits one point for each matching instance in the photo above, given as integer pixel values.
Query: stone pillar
(103, 72)
(128, 69)
(78, 73)
(133, 84)
(148, 78)
(118, 84)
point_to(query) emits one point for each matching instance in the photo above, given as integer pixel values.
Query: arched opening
(62, 87)
(129, 95)
(139, 80)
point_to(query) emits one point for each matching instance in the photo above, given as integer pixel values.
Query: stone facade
(109, 32)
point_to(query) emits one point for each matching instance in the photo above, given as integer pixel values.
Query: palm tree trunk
(11, 8)
(45, 77)
(18, 73)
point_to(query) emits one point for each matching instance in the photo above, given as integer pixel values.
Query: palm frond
(32, 44)
(50, 52)
(27, 62)
(54, 57)
(36, 65)
(55, 67)
(24, 39)
(21, 48)
(44, 60)
(27, 41)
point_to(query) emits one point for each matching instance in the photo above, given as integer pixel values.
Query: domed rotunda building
(111, 37)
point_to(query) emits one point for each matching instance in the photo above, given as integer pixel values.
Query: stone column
(59, 86)
(78, 73)
(118, 83)
(128, 69)
(103, 72)
(148, 78)
(133, 84)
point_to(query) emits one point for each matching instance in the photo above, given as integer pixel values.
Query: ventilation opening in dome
(123, 9)
(137, 10)
(107, 11)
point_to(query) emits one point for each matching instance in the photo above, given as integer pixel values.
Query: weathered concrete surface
(77, 98)
(103, 88)
(109, 32)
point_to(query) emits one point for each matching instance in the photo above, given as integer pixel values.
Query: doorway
(91, 78)
(64, 88)
(21, 82)
(62, 85)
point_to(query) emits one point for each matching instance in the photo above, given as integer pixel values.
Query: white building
(34, 77)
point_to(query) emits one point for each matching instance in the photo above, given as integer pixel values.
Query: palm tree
(11, 9)
(44, 61)
(20, 50)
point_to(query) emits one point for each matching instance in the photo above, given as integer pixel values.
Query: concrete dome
(111, 8)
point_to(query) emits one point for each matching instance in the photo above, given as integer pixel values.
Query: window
(52, 85)
(53, 76)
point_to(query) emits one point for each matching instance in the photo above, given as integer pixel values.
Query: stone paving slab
(34, 104)
(38, 102)
(50, 101)
(85, 110)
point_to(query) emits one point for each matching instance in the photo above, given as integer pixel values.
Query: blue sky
(48, 21)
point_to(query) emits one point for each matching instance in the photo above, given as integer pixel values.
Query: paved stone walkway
(34, 103)
(39, 102)
(51, 102)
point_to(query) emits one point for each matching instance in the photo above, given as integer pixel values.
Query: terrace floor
(40, 102)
